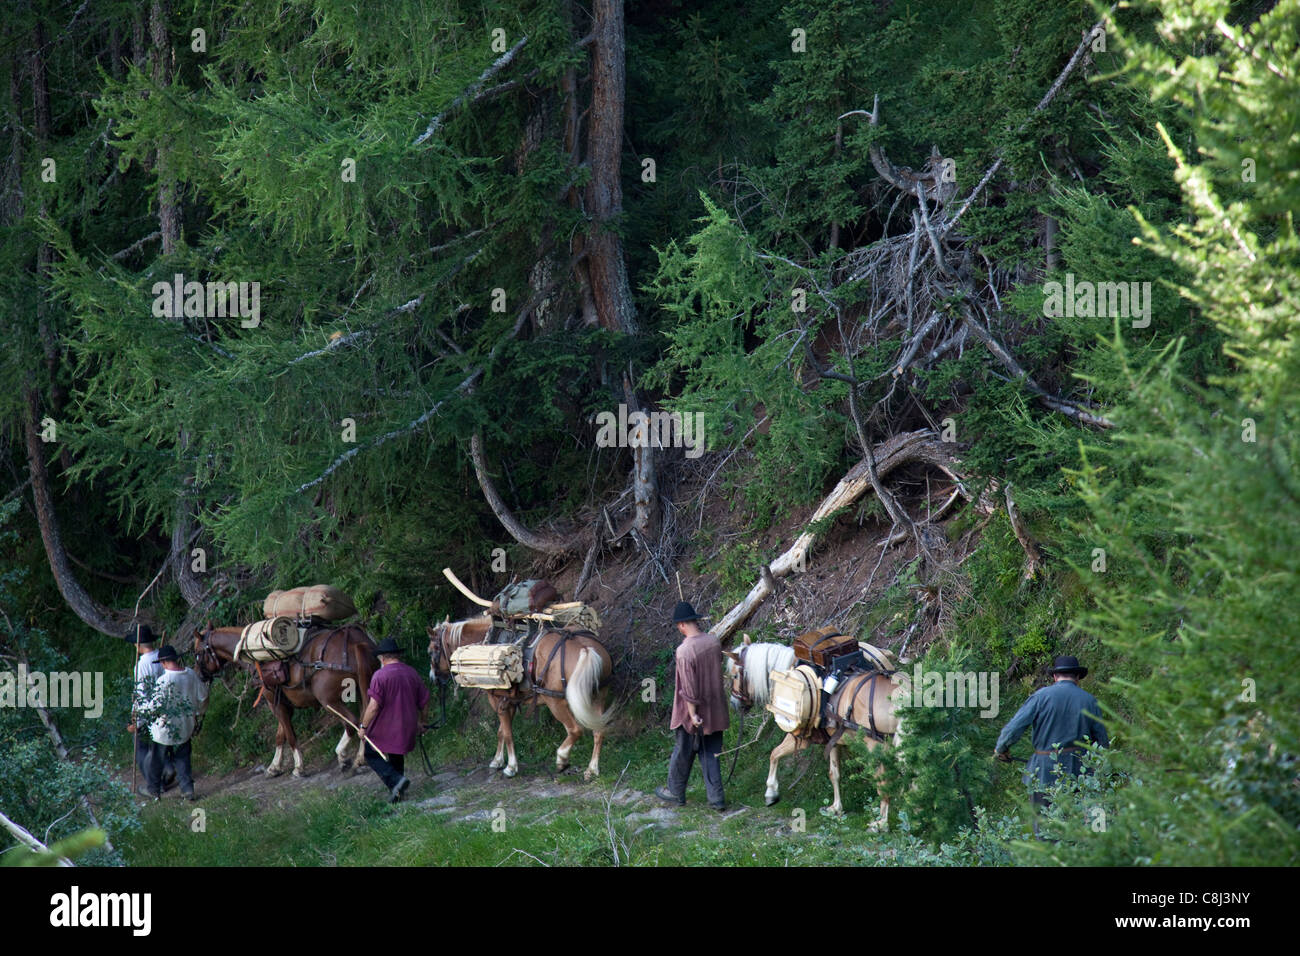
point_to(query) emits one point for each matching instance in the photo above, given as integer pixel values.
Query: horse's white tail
(581, 691)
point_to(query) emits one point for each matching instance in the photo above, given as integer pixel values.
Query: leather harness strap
(871, 709)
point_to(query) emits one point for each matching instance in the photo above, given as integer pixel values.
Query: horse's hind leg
(572, 731)
(789, 745)
(593, 768)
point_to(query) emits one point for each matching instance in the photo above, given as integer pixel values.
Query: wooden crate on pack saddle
(822, 646)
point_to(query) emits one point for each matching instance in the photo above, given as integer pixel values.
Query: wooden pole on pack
(456, 583)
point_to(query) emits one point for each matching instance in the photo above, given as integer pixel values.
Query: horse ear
(733, 655)
(747, 641)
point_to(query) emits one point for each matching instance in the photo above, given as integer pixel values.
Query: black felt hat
(1069, 665)
(143, 634)
(167, 653)
(388, 646)
(684, 612)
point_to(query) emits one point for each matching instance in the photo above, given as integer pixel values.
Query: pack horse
(818, 696)
(567, 667)
(325, 666)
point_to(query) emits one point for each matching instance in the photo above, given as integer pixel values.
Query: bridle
(205, 656)
(740, 700)
(437, 652)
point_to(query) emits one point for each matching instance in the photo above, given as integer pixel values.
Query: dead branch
(917, 446)
(1078, 56)
(472, 93)
(1033, 557)
(29, 841)
(62, 751)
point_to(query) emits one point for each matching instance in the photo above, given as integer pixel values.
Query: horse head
(439, 658)
(750, 669)
(741, 702)
(211, 658)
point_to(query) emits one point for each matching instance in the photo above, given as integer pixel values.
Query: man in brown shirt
(699, 711)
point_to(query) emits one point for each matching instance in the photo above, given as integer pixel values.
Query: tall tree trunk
(169, 227)
(169, 213)
(611, 292)
(87, 608)
(609, 283)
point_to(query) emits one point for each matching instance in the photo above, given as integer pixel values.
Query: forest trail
(472, 794)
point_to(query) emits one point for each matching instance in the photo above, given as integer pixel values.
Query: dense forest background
(836, 230)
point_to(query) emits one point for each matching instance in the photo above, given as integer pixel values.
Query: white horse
(863, 703)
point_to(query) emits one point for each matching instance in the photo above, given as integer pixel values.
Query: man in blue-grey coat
(1063, 716)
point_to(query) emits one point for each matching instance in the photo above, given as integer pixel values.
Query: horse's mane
(760, 661)
(452, 632)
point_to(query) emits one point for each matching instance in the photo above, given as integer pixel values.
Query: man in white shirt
(179, 699)
(147, 672)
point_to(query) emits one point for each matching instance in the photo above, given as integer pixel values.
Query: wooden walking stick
(343, 717)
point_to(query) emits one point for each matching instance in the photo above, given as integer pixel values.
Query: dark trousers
(687, 745)
(391, 770)
(161, 758)
(143, 748)
(1039, 803)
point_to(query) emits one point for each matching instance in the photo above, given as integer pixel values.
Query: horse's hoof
(561, 767)
(772, 799)
(510, 771)
(496, 764)
(832, 812)
(274, 773)
(298, 774)
(590, 775)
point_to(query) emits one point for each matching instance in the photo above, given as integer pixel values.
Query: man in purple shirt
(394, 718)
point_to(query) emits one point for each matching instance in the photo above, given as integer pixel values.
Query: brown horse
(863, 702)
(569, 670)
(334, 664)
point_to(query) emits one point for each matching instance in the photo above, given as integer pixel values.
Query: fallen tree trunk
(890, 454)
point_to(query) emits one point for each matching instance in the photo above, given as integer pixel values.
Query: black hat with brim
(142, 634)
(388, 646)
(167, 653)
(1069, 665)
(684, 612)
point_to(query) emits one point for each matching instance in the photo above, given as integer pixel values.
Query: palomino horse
(862, 702)
(569, 668)
(330, 660)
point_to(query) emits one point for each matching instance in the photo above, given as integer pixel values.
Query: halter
(207, 652)
(740, 699)
(436, 653)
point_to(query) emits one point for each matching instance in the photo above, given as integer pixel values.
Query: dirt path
(472, 793)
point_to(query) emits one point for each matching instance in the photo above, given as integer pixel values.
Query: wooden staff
(344, 718)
